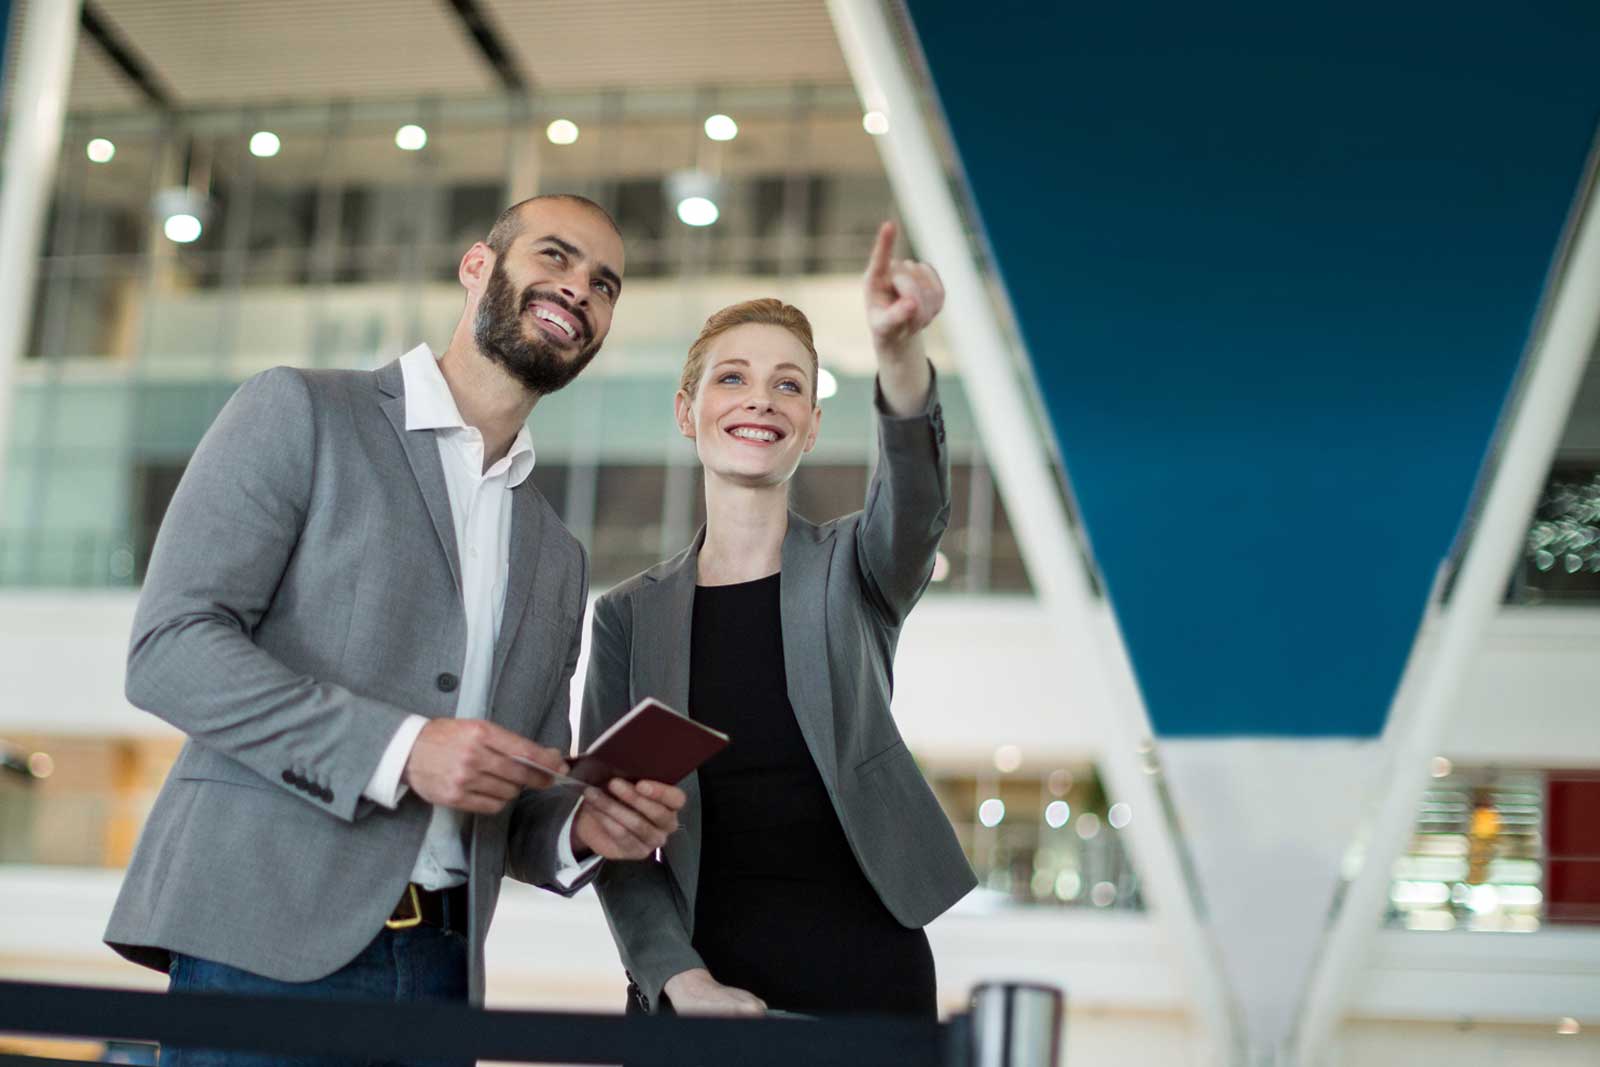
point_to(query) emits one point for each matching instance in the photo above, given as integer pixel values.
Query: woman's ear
(816, 424)
(683, 409)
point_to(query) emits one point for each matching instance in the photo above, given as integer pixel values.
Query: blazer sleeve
(224, 544)
(539, 815)
(640, 903)
(907, 508)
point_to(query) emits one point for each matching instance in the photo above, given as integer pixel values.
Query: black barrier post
(420, 1030)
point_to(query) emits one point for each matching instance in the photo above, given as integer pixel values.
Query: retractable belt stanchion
(1016, 1024)
(388, 1031)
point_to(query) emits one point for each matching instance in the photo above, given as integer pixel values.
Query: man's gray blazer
(303, 598)
(845, 590)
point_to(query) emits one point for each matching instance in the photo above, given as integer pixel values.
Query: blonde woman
(812, 851)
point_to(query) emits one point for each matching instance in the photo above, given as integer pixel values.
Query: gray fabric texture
(302, 599)
(846, 588)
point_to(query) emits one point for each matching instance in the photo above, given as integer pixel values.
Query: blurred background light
(264, 144)
(1057, 813)
(1119, 816)
(991, 812)
(100, 150)
(721, 128)
(875, 123)
(697, 211)
(827, 384)
(182, 228)
(411, 138)
(1007, 758)
(562, 131)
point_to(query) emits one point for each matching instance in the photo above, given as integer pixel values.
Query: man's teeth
(751, 434)
(557, 319)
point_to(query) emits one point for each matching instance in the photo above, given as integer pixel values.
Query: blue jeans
(423, 963)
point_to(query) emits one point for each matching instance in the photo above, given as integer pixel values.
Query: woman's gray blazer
(846, 588)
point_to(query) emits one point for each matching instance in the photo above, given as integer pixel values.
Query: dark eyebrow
(605, 272)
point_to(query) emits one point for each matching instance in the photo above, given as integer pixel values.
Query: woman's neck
(744, 532)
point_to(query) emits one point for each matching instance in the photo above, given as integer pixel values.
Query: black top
(783, 909)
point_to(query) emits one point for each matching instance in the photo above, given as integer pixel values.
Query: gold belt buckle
(408, 921)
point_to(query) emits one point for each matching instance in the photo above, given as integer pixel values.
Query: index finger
(878, 262)
(516, 746)
(668, 795)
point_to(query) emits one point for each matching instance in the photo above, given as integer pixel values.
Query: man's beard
(536, 361)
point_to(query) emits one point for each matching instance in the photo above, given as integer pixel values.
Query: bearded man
(365, 618)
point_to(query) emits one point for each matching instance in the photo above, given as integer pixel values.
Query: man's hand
(903, 296)
(626, 822)
(697, 993)
(466, 764)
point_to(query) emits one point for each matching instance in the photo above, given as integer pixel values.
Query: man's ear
(683, 410)
(475, 267)
(816, 424)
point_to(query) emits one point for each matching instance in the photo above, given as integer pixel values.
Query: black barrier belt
(443, 1030)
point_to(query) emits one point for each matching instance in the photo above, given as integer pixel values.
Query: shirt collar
(430, 406)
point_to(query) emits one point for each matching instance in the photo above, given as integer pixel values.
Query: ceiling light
(991, 812)
(182, 228)
(562, 131)
(941, 566)
(411, 138)
(1568, 1026)
(875, 123)
(1007, 758)
(40, 765)
(183, 213)
(1441, 767)
(101, 150)
(827, 384)
(1088, 825)
(1057, 813)
(1119, 816)
(721, 128)
(697, 211)
(264, 144)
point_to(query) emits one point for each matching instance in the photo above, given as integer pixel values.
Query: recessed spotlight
(721, 128)
(562, 131)
(410, 137)
(100, 150)
(182, 228)
(875, 123)
(264, 144)
(697, 211)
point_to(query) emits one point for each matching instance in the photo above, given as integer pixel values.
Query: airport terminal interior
(238, 186)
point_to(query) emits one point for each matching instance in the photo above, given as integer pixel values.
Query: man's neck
(490, 400)
(745, 528)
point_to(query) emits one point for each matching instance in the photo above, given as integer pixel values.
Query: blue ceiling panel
(1275, 268)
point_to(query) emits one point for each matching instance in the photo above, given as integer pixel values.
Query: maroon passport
(651, 741)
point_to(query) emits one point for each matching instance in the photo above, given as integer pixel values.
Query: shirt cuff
(385, 788)
(568, 867)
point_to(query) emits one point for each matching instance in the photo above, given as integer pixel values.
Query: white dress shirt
(480, 506)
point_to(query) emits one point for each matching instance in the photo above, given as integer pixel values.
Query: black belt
(445, 908)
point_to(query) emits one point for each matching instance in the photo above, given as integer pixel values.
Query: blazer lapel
(803, 595)
(527, 528)
(661, 656)
(422, 452)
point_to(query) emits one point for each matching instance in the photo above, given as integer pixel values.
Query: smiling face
(546, 305)
(753, 413)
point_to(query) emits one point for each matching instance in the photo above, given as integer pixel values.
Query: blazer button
(326, 794)
(288, 777)
(447, 682)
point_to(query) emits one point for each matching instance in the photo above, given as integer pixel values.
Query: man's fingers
(669, 795)
(636, 824)
(659, 815)
(878, 262)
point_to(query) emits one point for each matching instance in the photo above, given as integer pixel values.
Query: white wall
(972, 673)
